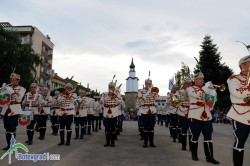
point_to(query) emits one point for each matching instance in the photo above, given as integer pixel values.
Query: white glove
(208, 84)
(9, 90)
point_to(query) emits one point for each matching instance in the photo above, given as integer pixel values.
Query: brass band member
(97, 109)
(31, 102)
(12, 111)
(67, 111)
(110, 101)
(55, 109)
(200, 117)
(173, 115)
(182, 111)
(43, 113)
(239, 93)
(81, 114)
(147, 109)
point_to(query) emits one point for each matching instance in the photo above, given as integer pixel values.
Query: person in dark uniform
(200, 116)
(12, 110)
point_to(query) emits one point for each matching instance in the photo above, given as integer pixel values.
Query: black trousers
(10, 123)
(90, 118)
(54, 120)
(80, 121)
(32, 123)
(184, 124)
(110, 124)
(241, 133)
(204, 127)
(66, 122)
(42, 120)
(148, 122)
(174, 121)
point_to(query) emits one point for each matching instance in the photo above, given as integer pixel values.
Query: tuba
(154, 90)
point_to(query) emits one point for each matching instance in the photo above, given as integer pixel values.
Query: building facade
(41, 45)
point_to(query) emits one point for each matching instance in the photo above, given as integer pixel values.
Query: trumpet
(154, 90)
(221, 87)
(112, 95)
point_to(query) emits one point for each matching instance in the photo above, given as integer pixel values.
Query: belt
(241, 104)
(14, 102)
(56, 108)
(198, 103)
(67, 109)
(148, 105)
(110, 105)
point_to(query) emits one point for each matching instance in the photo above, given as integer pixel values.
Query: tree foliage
(18, 57)
(182, 74)
(209, 64)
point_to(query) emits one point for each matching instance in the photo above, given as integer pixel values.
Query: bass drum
(26, 117)
(4, 99)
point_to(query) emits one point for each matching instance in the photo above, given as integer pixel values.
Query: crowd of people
(186, 112)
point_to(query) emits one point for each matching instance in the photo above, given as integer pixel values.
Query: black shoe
(61, 143)
(107, 144)
(145, 145)
(6, 148)
(195, 158)
(29, 143)
(112, 145)
(26, 141)
(213, 161)
(152, 145)
(67, 144)
(76, 138)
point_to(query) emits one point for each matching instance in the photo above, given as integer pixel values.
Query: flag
(171, 83)
(209, 100)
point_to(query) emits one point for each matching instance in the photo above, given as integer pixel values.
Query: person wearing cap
(55, 109)
(172, 113)
(81, 114)
(146, 99)
(182, 111)
(32, 101)
(89, 105)
(200, 117)
(44, 112)
(239, 112)
(110, 101)
(66, 114)
(12, 110)
(97, 108)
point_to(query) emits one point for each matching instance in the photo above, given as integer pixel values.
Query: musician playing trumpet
(32, 101)
(110, 101)
(239, 89)
(200, 117)
(147, 109)
(66, 114)
(182, 111)
(12, 110)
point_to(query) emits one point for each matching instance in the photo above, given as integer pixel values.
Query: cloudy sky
(95, 39)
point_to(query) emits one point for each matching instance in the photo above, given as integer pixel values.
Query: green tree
(18, 57)
(209, 64)
(182, 74)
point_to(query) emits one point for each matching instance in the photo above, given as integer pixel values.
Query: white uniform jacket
(240, 110)
(14, 108)
(110, 105)
(146, 101)
(33, 102)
